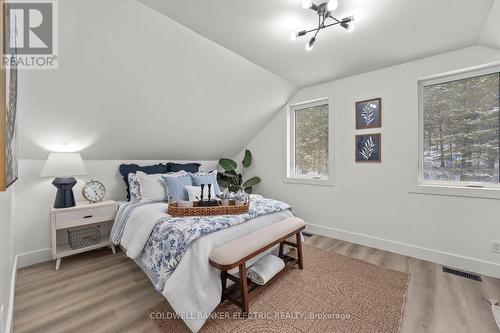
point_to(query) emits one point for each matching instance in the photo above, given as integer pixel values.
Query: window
(308, 143)
(460, 135)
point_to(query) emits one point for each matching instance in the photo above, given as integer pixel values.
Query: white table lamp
(64, 166)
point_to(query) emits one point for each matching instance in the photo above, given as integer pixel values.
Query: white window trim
(450, 188)
(289, 147)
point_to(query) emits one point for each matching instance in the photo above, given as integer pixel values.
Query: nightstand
(66, 221)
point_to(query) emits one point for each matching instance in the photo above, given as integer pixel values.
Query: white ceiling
(387, 32)
(491, 33)
(134, 84)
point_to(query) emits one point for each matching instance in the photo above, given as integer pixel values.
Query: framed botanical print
(369, 113)
(368, 148)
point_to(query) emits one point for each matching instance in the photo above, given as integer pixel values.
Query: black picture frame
(368, 148)
(369, 113)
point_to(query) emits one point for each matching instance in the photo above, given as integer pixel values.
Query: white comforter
(194, 289)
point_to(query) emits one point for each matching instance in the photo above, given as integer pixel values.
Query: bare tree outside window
(311, 141)
(461, 130)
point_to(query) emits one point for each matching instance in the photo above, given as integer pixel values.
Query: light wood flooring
(102, 292)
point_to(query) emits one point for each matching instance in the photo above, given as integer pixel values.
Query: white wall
(35, 195)
(371, 203)
(6, 250)
(134, 84)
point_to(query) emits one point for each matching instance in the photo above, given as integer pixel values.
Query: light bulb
(347, 24)
(310, 45)
(293, 36)
(306, 4)
(332, 5)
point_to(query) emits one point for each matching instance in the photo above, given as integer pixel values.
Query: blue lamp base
(64, 195)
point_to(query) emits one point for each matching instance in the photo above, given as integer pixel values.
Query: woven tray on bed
(174, 210)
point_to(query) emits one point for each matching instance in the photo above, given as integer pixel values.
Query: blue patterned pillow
(134, 187)
(176, 186)
(206, 178)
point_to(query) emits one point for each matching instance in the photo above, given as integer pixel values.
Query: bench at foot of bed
(236, 253)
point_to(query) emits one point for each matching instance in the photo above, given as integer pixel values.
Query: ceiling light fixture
(307, 4)
(310, 45)
(324, 11)
(332, 5)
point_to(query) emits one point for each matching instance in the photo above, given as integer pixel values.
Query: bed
(174, 251)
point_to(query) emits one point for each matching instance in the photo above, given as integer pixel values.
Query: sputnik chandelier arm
(324, 11)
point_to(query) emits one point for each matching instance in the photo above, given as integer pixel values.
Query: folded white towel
(265, 269)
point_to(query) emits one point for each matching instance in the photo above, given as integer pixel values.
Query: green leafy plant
(233, 180)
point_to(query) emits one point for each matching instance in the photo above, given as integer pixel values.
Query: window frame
(289, 165)
(460, 188)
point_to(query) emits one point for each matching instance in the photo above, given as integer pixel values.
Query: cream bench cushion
(238, 249)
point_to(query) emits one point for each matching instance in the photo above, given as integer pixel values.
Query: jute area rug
(333, 293)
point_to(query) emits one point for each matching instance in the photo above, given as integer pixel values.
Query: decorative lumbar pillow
(126, 169)
(194, 192)
(201, 177)
(175, 185)
(152, 187)
(188, 167)
(134, 187)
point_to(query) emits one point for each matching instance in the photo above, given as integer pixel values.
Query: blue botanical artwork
(368, 148)
(369, 114)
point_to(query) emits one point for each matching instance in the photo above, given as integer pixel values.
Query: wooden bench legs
(300, 258)
(223, 279)
(243, 289)
(242, 281)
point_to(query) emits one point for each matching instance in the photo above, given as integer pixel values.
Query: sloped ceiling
(134, 84)
(387, 32)
(491, 32)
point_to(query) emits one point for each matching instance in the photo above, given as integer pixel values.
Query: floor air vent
(306, 234)
(467, 275)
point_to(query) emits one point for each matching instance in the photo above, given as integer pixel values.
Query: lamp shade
(64, 165)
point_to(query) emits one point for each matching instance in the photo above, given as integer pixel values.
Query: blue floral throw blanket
(172, 236)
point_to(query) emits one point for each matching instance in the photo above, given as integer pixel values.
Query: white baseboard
(10, 311)
(22, 260)
(443, 258)
(33, 257)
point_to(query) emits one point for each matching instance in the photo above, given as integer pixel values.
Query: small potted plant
(232, 180)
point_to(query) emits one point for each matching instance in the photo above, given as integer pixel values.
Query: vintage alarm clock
(93, 191)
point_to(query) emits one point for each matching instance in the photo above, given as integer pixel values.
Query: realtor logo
(31, 34)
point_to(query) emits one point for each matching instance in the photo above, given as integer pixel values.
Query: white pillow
(195, 191)
(152, 187)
